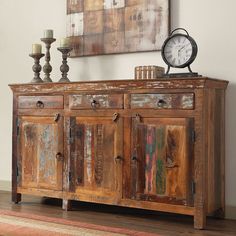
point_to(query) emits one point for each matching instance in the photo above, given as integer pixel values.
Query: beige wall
(210, 22)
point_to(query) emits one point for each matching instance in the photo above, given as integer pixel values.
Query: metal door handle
(59, 156)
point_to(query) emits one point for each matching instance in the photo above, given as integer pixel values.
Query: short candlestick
(47, 68)
(64, 67)
(36, 67)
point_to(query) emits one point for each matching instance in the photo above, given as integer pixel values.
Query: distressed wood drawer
(39, 102)
(163, 101)
(96, 101)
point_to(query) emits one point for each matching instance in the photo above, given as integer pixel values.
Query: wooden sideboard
(150, 144)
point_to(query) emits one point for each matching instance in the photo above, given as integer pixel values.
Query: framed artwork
(98, 27)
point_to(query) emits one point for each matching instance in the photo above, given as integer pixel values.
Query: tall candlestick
(48, 33)
(47, 68)
(36, 48)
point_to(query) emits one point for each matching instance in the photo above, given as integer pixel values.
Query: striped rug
(24, 224)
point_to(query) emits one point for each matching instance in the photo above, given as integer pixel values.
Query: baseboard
(5, 185)
(230, 212)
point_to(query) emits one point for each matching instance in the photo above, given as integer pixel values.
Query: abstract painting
(98, 27)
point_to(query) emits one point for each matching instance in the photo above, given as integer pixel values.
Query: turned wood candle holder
(47, 68)
(36, 67)
(64, 68)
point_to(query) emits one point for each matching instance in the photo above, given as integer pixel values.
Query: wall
(209, 22)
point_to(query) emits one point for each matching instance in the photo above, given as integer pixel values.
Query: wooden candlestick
(64, 67)
(47, 68)
(36, 67)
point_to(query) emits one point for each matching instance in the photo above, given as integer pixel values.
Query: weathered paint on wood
(79, 154)
(47, 102)
(202, 153)
(96, 101)
(99, 159)
(94, 166)
(163, 101)
(160, 162)
(165, 153)
(39, 145)
(121, 85)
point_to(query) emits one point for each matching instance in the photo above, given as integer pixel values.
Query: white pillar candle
(36, 48)
(65, 42)
(48, 33)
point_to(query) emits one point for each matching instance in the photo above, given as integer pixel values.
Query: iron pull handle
(94, 104)
(59, 156)
(161, 103)
(56, 117)
(134, 158)
(138, 118)
(115, 117)
(39, 104)
(170, 164)
(118, 158)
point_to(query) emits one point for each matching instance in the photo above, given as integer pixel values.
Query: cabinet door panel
(97, 143)
(40, 141)
(160, 166)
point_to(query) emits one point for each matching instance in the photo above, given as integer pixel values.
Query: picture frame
(102, 27)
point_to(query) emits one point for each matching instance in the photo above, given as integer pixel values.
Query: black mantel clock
(179, 51)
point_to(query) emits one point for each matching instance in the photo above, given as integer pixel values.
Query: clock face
(178, 50)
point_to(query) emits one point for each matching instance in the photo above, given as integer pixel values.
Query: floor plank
(142, 220)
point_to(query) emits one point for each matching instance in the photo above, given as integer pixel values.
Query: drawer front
(163, 101)
(96, 101)
(40, 102)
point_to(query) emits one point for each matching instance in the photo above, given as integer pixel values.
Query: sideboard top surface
(121, 85)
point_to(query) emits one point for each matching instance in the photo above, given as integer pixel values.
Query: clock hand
(181, 48)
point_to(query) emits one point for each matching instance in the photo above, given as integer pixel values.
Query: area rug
(24, 224)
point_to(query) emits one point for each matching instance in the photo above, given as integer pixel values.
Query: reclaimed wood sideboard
(150, 144)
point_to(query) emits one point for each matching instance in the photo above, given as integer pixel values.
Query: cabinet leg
(16, 197)
(199, 220)
(66, 205)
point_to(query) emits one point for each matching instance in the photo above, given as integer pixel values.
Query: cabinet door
(40, 148)
(96, 157)
(161, 166)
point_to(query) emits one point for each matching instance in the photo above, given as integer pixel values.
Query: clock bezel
(193, 55)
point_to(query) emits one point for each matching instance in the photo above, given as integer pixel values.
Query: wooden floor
(147, 221)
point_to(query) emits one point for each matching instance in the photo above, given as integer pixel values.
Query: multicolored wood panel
(162, 154)
(163, 101)
(94, 166)
(40, 141)
(116, 26)
(101, 101)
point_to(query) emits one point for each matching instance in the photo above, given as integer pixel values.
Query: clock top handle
(179, 29)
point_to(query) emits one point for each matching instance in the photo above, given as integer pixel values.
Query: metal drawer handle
(59, 156)
(39, 104)
(94, 104)
(161, 103)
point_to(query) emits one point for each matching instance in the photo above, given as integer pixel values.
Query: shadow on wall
(174, 13)
(104, 65)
